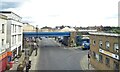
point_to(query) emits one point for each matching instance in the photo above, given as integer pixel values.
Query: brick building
(105, 51)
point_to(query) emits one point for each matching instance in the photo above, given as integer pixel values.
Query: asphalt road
(53, 57)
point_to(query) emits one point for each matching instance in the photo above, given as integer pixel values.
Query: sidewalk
(84, 64)
(14, 67)
(34, 60)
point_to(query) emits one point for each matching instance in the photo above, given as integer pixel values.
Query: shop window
(107, 62)
(97, 57)
(107, 45)
(116, 48)
(101, 58)
(100, 44)
(116, 66)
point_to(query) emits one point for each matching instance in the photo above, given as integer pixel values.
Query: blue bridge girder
(44, 34)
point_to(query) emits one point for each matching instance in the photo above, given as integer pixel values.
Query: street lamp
(36, 39)
(37, 31)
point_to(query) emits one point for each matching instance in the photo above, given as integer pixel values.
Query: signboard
(109, 54)
(3, 56)
(2, 50)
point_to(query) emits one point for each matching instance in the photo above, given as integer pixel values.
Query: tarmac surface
(54, 56)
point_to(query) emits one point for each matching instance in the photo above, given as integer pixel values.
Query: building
(105, 51)
(14, 33)
(3, 43)
(69, 41)
(28, 28)
(46, 29)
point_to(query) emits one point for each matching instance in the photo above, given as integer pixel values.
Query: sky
(64, 12)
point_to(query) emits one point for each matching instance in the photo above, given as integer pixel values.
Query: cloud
(115, 16)
(27, 19)
(6, 4)
(68, 12)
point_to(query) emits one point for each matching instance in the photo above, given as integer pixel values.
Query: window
(19, 28)
(18, 38)
(2, 42)
(107, 61)
(94, 42)
(107, 45)
(15, 39)
(116, 48)
(101, 58)
(15, 28)
(94, 55)
(11, 28)
(116, 66)
(97, 57)
(12, 39)
(3, 28)
(100, 44)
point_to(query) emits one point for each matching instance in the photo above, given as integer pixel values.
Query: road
(53, 57)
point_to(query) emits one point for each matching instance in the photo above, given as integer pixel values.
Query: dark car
(60, 40)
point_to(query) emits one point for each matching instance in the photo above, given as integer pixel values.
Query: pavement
(34, 59)
(16, 63)
(85, 64)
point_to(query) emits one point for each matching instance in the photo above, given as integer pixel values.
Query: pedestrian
(88, 59)
(20, 67)
(88, 55)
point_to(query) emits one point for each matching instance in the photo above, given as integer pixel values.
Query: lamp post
(36, 39)
(37, 31)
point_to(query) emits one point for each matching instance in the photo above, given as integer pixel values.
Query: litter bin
(11, 63)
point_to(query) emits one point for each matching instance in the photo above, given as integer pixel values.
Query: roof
(46, 27)
(3, 16)
(87, 30)
(9, 12)
(103, 33)
(67, 29)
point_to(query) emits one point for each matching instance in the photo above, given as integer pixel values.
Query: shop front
(19, 49)
(19, 52)
(3, 61)
(14, 53)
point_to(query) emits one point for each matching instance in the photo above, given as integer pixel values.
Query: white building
(3, 43)
(3, 24)
(14, 32)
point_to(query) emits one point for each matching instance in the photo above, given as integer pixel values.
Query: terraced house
(105, 51)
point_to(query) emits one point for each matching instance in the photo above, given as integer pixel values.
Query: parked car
(60, 40)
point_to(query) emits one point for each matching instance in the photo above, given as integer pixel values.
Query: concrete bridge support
(72, 39)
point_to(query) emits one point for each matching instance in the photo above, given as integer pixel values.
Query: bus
(85, 43)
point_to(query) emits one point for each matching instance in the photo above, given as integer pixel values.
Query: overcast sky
(65, 12)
